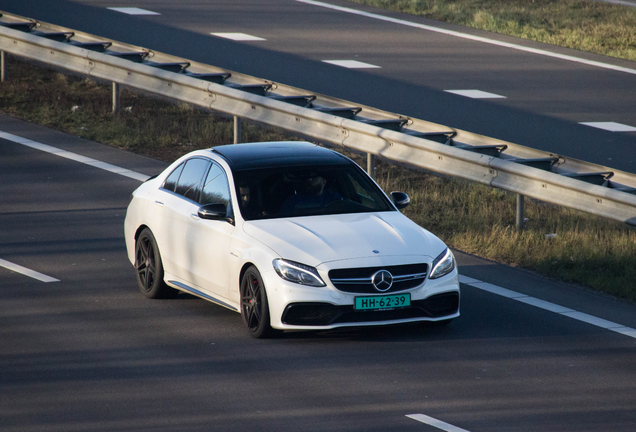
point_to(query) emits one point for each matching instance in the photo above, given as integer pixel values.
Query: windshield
(310, 190)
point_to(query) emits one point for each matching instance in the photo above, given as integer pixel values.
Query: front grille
(358, 280)
(323, 314)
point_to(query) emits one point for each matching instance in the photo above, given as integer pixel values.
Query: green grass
(587, 250)
(585, 25)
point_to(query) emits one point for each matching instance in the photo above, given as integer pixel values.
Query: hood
(314, 240)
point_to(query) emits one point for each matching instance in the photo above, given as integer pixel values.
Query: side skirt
(196, 292)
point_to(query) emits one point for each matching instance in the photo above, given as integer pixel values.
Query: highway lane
(91, 353)
(545, 98)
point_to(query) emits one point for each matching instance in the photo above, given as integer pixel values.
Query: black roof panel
(272, 154)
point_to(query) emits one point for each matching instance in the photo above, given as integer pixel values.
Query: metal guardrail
(528, 172)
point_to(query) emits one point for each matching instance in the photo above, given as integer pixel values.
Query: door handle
(159, 203)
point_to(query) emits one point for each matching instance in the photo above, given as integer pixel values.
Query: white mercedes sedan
(292, 236)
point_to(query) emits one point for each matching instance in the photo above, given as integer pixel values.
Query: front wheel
(254, 305)
(150, 269)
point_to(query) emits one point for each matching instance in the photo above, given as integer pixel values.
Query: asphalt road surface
(543, 96)
(82, 350)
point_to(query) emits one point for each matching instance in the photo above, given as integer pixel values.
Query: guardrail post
(115, 98)
(237, 129)
(3, 67)
(520, 219)
(371, 165)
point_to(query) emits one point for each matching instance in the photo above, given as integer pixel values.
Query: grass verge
(586, 250)
(585, 25)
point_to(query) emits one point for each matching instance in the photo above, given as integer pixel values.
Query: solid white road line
(74, 156)
(238, 36)
(435, 423)
(68, 155)
(551, 307)
(470, 37)
(610, 126)
(628, 331)
(622, 3)
(352, 64)
(27, 272)
(476, 94)
(133, 11)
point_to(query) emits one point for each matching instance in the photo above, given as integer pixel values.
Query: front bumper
(297, 307)
(438, 306)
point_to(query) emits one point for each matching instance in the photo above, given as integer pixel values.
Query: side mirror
(400, 199)
(213, 212)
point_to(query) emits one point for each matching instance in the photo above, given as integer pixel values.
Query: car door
(210, 240)
(174, 202)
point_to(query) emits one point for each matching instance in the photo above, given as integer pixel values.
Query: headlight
(297, 273)
(443, 264)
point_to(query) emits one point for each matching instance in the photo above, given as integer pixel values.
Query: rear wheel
(254, 305)
(150, 269)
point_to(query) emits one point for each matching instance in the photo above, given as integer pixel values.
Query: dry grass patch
(585, 25)
(145, 125)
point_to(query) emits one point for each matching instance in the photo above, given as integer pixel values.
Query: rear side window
(189, 184)
(171, 182)
(190, 178)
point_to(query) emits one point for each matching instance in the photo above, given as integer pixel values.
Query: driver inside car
(310, 194)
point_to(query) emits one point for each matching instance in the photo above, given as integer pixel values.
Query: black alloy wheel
(254, 305)
(150, 269)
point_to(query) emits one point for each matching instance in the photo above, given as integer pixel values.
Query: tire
(150, 269)
(254, 305)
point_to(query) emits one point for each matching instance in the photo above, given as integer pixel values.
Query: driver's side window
(215, 187)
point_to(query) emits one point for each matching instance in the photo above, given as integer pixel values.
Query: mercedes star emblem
(382, 280)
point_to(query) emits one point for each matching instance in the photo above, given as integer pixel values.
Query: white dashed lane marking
(435, 423)
(352, 64)
(238, 36)
(476, 94)
(27, 272)
(551, 307)
(133, 11)
(469, 37)
(610, 126)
